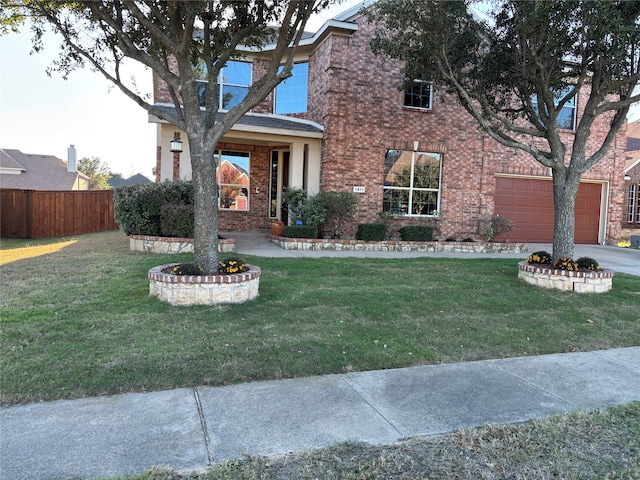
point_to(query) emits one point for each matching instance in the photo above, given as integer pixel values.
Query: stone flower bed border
(396, 245)
(581, 282)
(151, 244)
(187, 290)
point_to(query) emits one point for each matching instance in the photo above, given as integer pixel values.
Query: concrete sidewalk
(189, 429)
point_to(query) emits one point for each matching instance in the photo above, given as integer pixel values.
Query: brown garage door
(529, 203)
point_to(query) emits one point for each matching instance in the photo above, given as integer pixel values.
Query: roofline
(239, 127)
(633, 165)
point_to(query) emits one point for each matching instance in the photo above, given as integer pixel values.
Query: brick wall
(356, 97)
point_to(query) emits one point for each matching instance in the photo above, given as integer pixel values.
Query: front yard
(78, 321)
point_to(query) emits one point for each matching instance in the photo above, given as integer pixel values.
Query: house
(631, 217)
(133, 180)
(341, 123)
(26, 171)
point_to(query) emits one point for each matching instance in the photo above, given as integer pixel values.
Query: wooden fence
(47, 214)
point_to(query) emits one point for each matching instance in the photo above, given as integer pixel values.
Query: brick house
(631, 218)
(341, 123)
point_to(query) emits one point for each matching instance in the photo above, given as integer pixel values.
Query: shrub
(308, 210)
(468, 240)
(372, 232)
(340, 208)
(588, 263)
(301, 231)
(416, 233)
(566, 264)
(492, 226)
(541, 257)
(177, 221)
(232, 265)
(138, 208)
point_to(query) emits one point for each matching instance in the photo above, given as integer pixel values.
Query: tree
(517, 71)
(97, 171)
(175, 39)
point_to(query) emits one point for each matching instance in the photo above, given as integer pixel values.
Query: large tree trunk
(206, 204)
(565, 189)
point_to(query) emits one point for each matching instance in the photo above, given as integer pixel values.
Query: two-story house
(341, 123)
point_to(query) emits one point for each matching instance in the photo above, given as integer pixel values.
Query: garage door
(529, 203)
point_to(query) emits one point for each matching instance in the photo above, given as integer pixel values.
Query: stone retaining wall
(151, 244)
(397, 246)
(187, 290)
(582, 282)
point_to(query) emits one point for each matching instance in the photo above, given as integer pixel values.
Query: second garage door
(529, 203)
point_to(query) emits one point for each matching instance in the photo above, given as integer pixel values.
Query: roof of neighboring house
(119, 182)
(256, 122)
(633, 129)
(36, 172)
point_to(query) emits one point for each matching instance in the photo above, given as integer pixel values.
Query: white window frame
(420, 82)
(411, 188)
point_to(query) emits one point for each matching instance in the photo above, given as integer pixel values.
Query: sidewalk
(189, 429)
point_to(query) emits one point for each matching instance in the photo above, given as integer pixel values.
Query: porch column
(314, 151)
(296, 166)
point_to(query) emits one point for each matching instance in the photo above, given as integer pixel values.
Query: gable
(37, 172)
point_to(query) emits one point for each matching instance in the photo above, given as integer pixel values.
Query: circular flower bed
(583, 275)
(170, 286)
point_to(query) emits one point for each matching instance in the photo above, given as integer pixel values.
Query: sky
(44, 114)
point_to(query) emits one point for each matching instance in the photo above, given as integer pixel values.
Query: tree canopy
(97, 171)
(182, 42)
(515, 70)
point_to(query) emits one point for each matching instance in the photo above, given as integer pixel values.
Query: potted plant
(277, 228)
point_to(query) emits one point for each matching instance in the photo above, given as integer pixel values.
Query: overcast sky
(44, 115)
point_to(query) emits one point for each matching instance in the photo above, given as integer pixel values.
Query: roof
(29, 171)
(276, 124)
(135, 179)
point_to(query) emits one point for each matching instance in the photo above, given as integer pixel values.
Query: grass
(602, 444)
(77, 320)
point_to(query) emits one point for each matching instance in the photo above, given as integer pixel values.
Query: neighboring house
(341, 123)
(631, 218)
(26, 171)
(133, 180)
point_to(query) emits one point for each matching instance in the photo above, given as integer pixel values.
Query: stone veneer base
(185, 290)
(151, 244)
(582, 282)
(396, 245)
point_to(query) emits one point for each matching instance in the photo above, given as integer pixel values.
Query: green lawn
(77, 319)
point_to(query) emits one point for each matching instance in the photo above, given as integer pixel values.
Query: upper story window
(234, 81)
(419, 95)
(291, 95)
(567, 116)
(412, 183)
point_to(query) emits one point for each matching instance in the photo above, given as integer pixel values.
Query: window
(419, 95)
(234, 81)
(291, 95)
(412, 183)
(232, 176)
(633, 209)
(567, 116)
